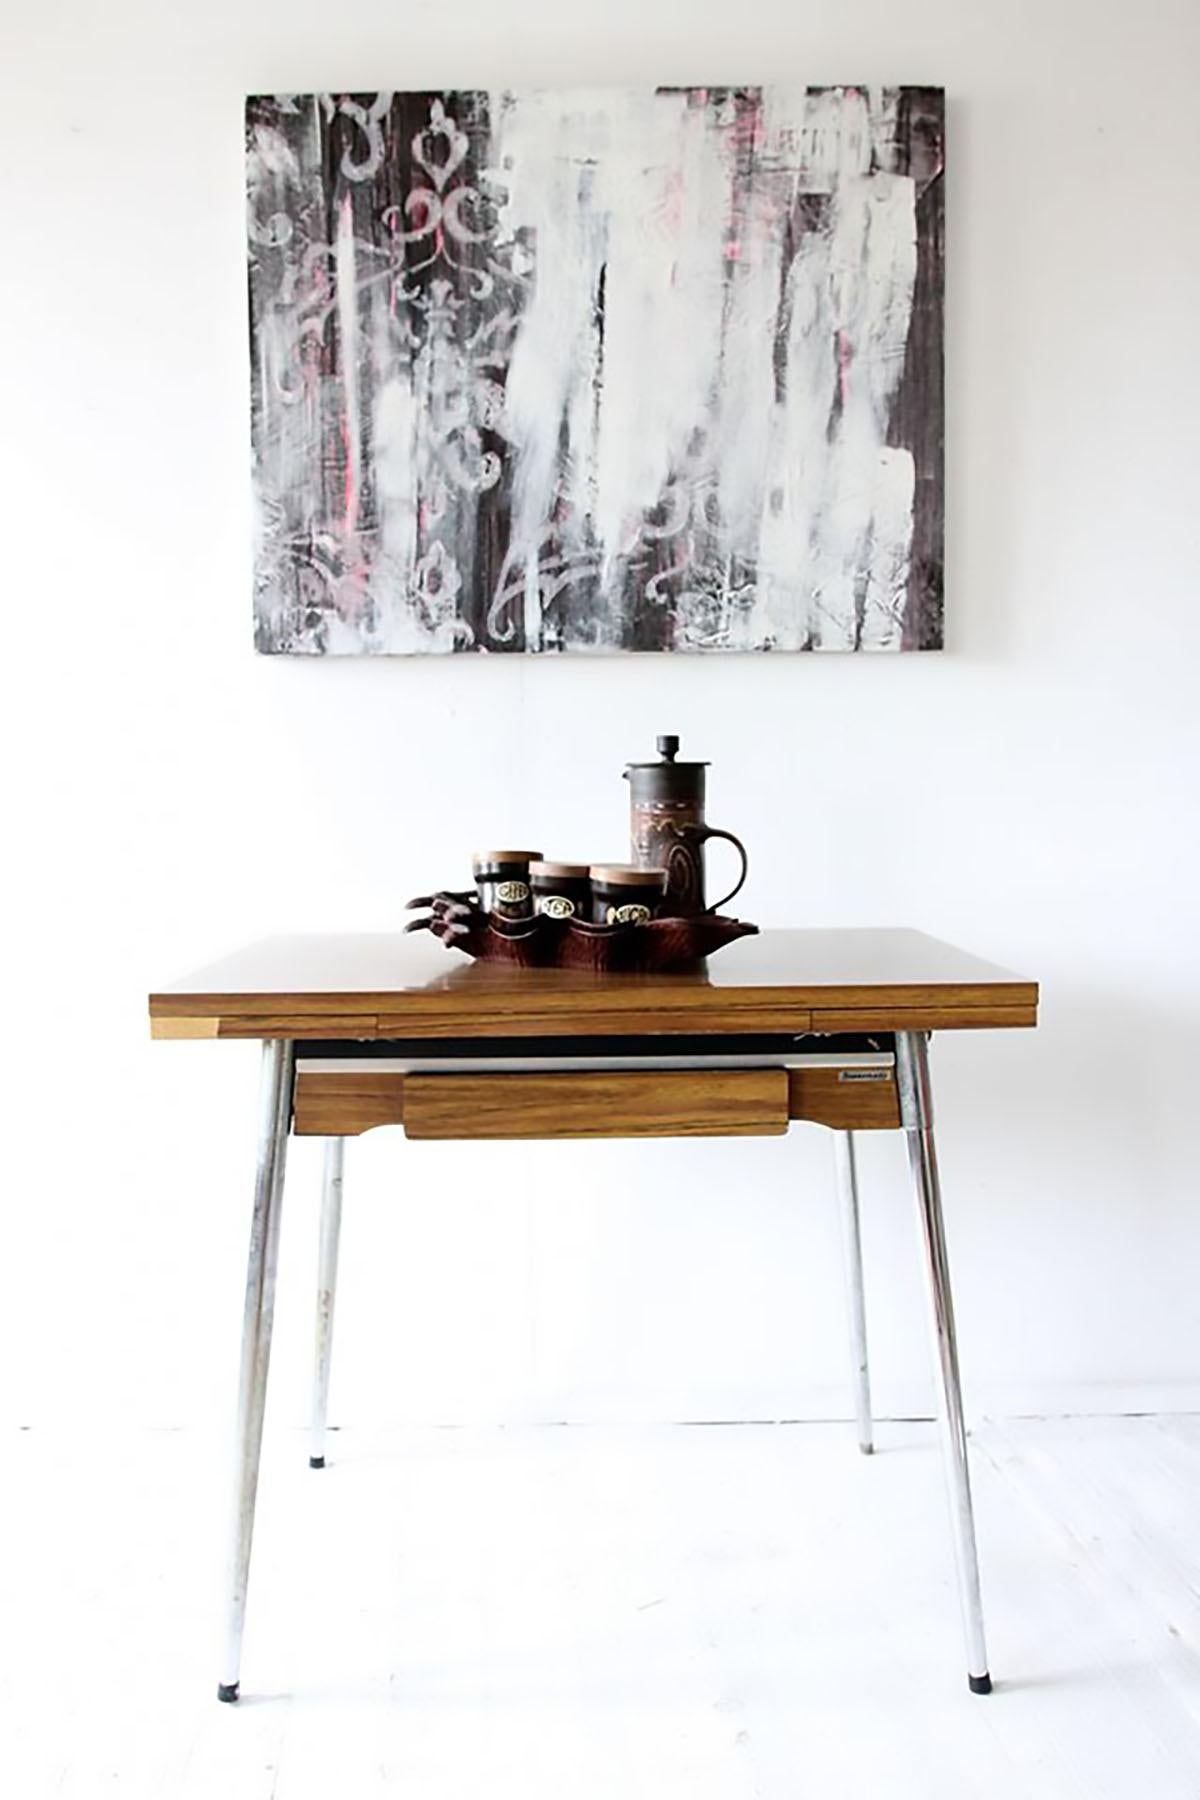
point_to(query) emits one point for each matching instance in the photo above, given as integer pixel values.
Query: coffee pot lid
(668, 750)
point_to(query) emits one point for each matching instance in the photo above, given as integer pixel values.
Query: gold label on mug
(511, 893)
(556, 906)
(628, 915)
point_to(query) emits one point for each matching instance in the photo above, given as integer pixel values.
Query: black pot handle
(700, 833)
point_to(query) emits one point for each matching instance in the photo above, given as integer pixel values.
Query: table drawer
(341, 1098)
(599, 1103)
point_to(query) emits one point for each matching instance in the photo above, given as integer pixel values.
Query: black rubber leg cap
(227, 1690)
(316, 1462)
(979, 1684)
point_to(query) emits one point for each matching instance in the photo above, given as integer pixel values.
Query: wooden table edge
(658, 1011)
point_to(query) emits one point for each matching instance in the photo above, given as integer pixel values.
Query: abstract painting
(597, 370)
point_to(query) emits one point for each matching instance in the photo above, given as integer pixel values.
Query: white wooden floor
(691, 1612)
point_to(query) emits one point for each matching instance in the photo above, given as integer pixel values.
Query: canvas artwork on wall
(597, 370)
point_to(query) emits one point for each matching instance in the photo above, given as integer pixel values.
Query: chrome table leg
(916, 1116)
(847, 1182)
(327, 1262)
(278, 1068)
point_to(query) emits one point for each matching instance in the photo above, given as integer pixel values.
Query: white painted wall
(1029, 794)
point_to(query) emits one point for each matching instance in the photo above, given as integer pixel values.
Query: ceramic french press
(667, 828)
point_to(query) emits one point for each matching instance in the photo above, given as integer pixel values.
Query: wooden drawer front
(848, 1099)
(593, 1103)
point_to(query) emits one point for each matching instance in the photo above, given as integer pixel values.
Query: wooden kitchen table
(359, 1031)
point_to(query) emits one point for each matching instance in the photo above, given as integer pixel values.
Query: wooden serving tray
(545, 943)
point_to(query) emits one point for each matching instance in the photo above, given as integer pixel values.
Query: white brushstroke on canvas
(639, 189)
(619, 184)
(395, 432)
(347, 311)
(287, 411)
